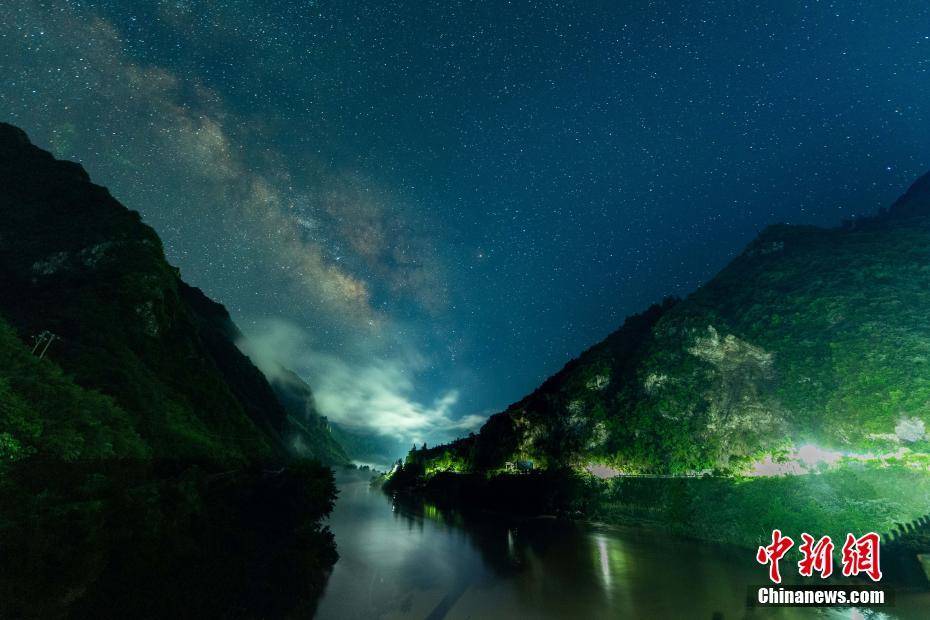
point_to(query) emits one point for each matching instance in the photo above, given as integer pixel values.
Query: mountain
(810, 335)
(317, 436)
(325, 440)
(77, 264)
(368, 447)
(143, 457)
(915, 202)
(810, 348)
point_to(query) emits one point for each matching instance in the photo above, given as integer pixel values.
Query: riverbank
(404, 556)
(733, 511)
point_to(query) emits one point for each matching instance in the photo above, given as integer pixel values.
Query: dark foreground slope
(76, 263)
(809, 352)
(145, 462)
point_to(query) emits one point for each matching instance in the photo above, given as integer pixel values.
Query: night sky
(427, 208)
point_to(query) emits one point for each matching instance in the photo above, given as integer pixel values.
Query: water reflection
(604, 557)
(410, 559)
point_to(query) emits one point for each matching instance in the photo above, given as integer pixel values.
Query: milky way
(444, 202)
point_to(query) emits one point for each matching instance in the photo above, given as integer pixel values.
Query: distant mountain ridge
(916, 200)
(317, 437)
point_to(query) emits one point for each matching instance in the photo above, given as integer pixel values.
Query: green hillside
(142, 455)
(808, 353)
(45, 415)
(77, 264)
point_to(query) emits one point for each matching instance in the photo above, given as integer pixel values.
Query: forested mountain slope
(809, 336)
(143, 457)
(77, 264)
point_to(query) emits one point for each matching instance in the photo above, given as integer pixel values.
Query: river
(414, 561)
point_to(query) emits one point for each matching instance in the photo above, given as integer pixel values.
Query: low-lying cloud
(261, 224)
(374, 394)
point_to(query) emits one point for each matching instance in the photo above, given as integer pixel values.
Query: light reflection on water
(413, 560)
(604, 558)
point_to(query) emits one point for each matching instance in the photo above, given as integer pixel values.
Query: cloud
(376, 394)
(274, 348)
(263, 229)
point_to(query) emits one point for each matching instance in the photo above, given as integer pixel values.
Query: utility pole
(46, 338)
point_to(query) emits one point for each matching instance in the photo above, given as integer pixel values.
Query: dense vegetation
(147, 467)
(812, 339)
(76, 263)
(724, 509)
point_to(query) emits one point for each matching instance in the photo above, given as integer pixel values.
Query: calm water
(414, 561)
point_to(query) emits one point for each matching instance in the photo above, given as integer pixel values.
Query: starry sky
(425, 208)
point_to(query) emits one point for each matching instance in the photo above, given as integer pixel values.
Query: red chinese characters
(773, 553)
(860, 555)
(816, 556)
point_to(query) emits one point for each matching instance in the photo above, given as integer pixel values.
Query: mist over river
(408, 559)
